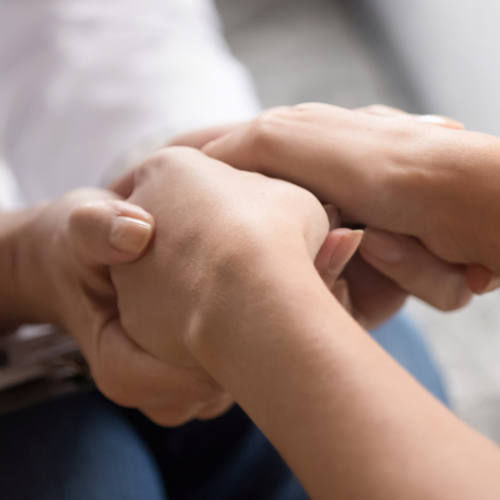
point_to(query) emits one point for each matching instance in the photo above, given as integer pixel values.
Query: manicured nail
(439, 120)
(129, 235)
(382, 246)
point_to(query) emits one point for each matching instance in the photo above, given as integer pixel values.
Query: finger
(480, 279)
(198, 138)
(416, 270)
(442, 121)
(325, 252)
(282, 141)
(374, 297)
(336, 251)
(108, 232)
(124, 185)
(216, 408)
(131, 377)
(382, 110)
(341, 292)
(173, 416)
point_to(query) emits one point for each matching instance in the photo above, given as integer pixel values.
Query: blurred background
(426, 56)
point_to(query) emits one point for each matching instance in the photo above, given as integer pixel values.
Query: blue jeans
(83, 447)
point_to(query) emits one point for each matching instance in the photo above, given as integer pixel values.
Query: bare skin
(55, 258)
(231, 289)
(55, 262)
(432, 186)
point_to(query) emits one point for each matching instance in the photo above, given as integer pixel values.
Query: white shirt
(10, 196)
(82, 81)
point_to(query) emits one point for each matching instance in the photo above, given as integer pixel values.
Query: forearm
(349, 421)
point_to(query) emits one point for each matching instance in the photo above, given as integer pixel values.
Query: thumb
(108, 232)
(336, 251)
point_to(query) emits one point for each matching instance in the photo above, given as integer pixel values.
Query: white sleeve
(10, 197)
(82, 82)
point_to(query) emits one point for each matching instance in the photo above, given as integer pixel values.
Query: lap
(81, 446)
(75, 447)
(405, 343)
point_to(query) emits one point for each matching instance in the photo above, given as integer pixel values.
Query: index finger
(199, 138)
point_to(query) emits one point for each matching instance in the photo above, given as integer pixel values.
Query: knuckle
(266, 126)
(178, 155)
(89, 215)
(310, 204)
(307, 107)
(167, 161)
(79, 216)
(376, 108)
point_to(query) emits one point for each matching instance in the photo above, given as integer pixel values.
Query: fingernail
(129, 235)
(382, 247)
(439, 120)
(345, 249)
(134, 211)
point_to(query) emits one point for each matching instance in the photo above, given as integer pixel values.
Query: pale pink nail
(129, 235)
(439, 120)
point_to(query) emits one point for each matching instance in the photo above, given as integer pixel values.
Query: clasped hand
(222, 236)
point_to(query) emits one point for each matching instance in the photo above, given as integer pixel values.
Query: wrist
(33, 267)
(21, 273)
(251, 295)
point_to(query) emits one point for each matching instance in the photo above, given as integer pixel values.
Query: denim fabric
(74, 448)
(81, 447)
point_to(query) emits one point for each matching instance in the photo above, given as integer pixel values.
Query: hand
(221, 234)
(65, 255)
(367, 144)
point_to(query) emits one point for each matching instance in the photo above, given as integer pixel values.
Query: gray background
(423, 56)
